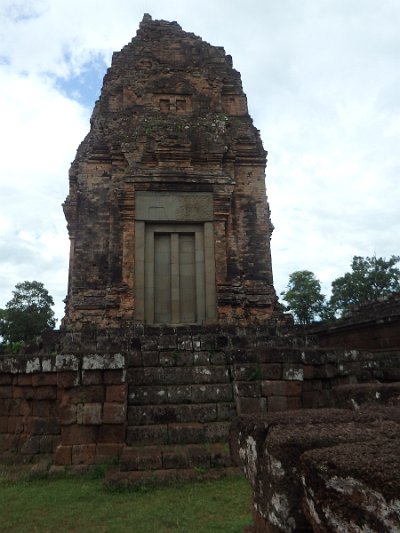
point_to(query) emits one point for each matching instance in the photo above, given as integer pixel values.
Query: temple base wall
(94, 394)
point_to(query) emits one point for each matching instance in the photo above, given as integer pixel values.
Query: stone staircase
(180, 406)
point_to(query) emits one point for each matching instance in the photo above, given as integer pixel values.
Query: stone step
(179, 375)
(166, 476)
(180, 413)
(162, 394)
(199, 456)
(179, 433)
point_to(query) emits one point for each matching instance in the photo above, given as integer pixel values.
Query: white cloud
(322, 82)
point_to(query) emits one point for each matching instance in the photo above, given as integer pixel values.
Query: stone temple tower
(167, 212)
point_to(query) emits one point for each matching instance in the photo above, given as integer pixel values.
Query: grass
(83, 504)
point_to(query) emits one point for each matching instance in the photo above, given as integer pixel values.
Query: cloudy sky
(322, 79)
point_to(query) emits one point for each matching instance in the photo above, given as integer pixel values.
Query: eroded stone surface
(353, 487)
(272, 448)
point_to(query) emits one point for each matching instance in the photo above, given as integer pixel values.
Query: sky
(322, 79)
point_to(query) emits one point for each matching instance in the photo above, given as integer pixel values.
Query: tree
(27, 314)
(370, 279)
(303, 296)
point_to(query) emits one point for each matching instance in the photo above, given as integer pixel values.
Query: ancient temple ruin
(167, 212)
(172, 330)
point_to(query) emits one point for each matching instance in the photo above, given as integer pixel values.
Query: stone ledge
(271, 450)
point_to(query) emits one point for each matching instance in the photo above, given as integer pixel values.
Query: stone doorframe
(174, 214)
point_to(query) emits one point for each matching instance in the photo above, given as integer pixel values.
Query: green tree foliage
(27, 314)
(304, 297)
(370, 278)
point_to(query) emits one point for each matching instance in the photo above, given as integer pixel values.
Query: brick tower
(167, 212)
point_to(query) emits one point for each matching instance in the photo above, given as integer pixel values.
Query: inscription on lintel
(177, 207)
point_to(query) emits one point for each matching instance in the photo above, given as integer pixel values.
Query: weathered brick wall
(373, 325)
(64, 405)
(166, 386)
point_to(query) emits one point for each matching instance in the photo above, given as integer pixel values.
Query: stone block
(68, 379)
(167, 342)
(107, 452)
(146, 435)
(293, 372)
(179, 393)
(147, 394)
(92, 393)
(41, 379)
(116, 393)
(89, 414)
(115, 361)
(32, 364)
(13, 424)
(222, 341)
(226, 411)
(43, 426)
(93, 362)
(294, 402)
(149, 459)
(28, 393)
(63, 455)
(114, 377)
(201, 358)
(216, 431)
(4, 424)
(281, 388)
(205, 393)
(199, 456)
(134, 358)
(250, 389)
(92, 377)
(176, 358)
(213, 374)
(24, 379)
(178, 375)
(48, 443)
(251, 405)
(271, 371)
(7, 392)
(6, 379)
(19, 407)
(151, 358)
(145, 376)
(166, 414)
(185, 343)
(31, 446)
(277, 403)
(186, 433)
(68, 413)
(218, 358)
(83, 454)
(45, 393)
(67, 362)
(175, 457)
(78, 434)
(112, 433)
(220, 456)
(149, 343)
(114, 413)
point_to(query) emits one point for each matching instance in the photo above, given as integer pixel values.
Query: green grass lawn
(83, 504)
